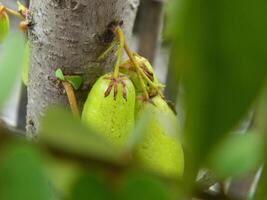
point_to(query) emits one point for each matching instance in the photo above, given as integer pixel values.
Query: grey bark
(69, 34)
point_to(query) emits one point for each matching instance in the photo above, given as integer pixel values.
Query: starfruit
(110, 110)
(160, 150)
(4, 24)
(25, 65)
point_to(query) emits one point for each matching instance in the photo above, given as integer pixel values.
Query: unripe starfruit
(111, 114)
(4, 24)
(160, 151)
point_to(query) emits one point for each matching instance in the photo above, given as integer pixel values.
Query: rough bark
(69, 34)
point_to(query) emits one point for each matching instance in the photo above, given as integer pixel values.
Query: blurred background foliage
(216, 74)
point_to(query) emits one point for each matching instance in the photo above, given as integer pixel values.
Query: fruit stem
(71, 97)
(104, 54)
(138, 71)
(121, 38)
(13, 12)
(155, 86)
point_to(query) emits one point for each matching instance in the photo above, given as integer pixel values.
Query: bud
(22, 9)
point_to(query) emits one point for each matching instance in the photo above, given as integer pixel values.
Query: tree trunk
(70, 34)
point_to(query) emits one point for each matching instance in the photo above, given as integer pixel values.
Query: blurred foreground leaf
(221, 58)
(11, 57)
(65, 132)
(137, 134)
(91, 187)
(237, 155)
(143, 187)
(62, 175)
(260, 120)
(21, 174)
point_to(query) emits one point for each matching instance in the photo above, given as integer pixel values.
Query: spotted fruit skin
(147, 68)
(25, 67)
(4, 25)
(113, 118)
(160, 151)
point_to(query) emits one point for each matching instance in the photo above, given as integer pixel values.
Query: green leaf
(75, 81)
(22, 175)
(221, 54)
(91, 187)
(65, 132)
(140, 186)
(237, 155)
(59, 74)
(62, 174)
(260, 120)
(11, 57)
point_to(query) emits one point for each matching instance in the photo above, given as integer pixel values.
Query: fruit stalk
(71, 97)
(15, 13)
(151, 83)
(121, 38)
(130, 55)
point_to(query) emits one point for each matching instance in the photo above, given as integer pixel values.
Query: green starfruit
(160, 151)
(111, 115)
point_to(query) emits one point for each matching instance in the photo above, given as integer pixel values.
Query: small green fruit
(160, 151)
(4, 24)
(113, 117)
(25, 65)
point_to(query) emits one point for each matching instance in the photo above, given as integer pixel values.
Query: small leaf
(75, 81)
(237, 155)
(59, 74)
(65, 132)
